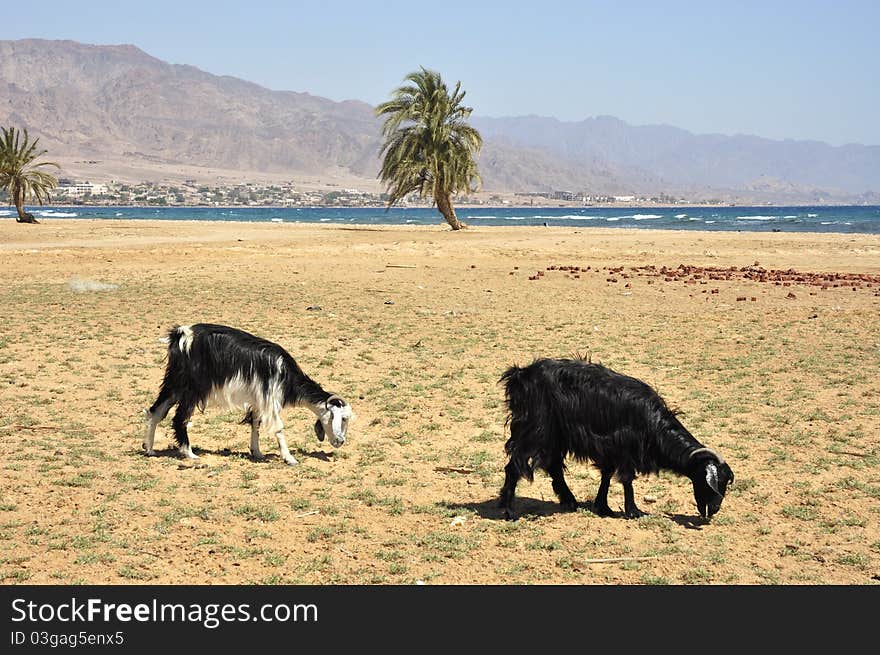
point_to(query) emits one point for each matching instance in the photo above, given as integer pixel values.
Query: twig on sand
(314, 511)
(607, 560)
(452, 469)
(850, 453)
(400, 266)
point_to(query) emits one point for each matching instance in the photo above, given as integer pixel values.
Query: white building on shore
(80, 189)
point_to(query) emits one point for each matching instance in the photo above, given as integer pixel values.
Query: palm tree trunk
(23, 216)
(444, 206)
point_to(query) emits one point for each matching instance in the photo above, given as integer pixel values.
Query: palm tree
(429, 147)
(19, 175)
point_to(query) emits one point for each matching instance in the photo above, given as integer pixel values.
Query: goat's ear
(336, 401)
(712, 477)
(319, 430)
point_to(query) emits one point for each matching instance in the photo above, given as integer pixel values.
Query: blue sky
(802, 70)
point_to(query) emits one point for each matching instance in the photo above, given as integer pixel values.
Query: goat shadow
(688, 521)
(268, 458)
(525, 507)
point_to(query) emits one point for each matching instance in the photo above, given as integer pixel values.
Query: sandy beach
(767, 342)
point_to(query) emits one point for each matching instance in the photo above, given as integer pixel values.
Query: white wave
(473, 217)
(119, 213)
(681, 215)
(277, 220)
(644, 217)
(615, 218)
(695, 218)
(566, 217)
(411, 220)
(57, 214)
(756, 218)
(790, 216)
(563, 216)
(514, 218)
(710, 222)
(325, 220)
(4, 212)
(829, 223)
(812, 215)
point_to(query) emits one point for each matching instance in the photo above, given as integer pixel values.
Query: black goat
(216, 364)
(561, 407)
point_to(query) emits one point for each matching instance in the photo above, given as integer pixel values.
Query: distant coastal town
(191, 193)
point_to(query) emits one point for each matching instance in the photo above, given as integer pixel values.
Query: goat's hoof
(150, 452)
(569, 505)
(258, 456)
(634, 513)
(291, 461)
(603, 510)
(508, 514)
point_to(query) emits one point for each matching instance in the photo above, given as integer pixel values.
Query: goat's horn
(710, 451)
(332, 397)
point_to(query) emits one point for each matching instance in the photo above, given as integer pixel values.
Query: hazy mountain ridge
(95, 99)
(88, 101)
(689, 160)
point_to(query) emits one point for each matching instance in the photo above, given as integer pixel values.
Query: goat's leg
(181, 417)
(566, 498)
(254, 422)
(157, 412)
(630, 510)
(276, 425)
(282, 445)
(512, 474)
(600, 505)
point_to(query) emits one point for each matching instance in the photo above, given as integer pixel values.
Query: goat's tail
(511, 374)
(516, 386)
(523, 418)
(179, 340)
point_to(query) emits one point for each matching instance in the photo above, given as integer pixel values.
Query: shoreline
(807, 219)
(562, 205)
(804, 251)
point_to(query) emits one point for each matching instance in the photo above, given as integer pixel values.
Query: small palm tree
(429, 147)
(19, 175)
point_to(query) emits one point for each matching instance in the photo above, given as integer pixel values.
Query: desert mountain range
(115, 112)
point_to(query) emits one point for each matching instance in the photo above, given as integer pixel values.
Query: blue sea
(853, 219)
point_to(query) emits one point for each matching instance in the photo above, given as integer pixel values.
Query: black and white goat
(219, 365)
(561, 407)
